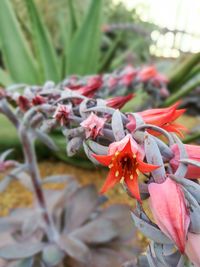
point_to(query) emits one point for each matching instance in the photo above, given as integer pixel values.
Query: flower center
(125, 165)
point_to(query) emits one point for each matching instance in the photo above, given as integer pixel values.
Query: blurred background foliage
(48, 39)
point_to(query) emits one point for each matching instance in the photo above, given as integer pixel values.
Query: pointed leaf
(84, 51)
(98, 231)
(14, 46)
(154, 157)
(150, 230)
(82, 203)
(117, 126)
(20, 251)
(97, 148)
(74, 248)
(52, 255)
(43, 44)
(74, 145)
(45, 139)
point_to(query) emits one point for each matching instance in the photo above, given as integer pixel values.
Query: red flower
(93, 84)
(119, 101)
(169, 209)
(38, 100)
(124, 160)
(151, 72)
(129, 74)
(162, 117)
(93, 125)
(62, 113)
(23, 103)
(193, 153)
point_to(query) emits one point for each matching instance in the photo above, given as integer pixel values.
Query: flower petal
(110, 181)
(145, 167)
(133, 186)
(103, 159)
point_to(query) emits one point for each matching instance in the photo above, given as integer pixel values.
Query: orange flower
(162, 117)
(125, 161)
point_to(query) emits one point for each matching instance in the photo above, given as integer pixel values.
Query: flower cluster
(121, 82)
(129, 145)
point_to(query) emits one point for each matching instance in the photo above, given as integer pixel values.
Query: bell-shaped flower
(162, 117)
(62, 113)
(128, 76)
(93, 125)
(118, 102)
(93, 84)
(23, 103)
(193, 153)
(192, 248)
(168, 206)
(150, 72)
(38, 100)
(125, 161)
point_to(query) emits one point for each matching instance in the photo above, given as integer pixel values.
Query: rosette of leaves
(86, 234)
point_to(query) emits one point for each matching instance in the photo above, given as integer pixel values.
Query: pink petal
(168, 206)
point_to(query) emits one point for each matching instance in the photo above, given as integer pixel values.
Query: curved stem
(29, 153)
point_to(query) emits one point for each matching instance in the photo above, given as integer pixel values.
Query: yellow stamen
(116, 173)
(134, 156)
(131, 177)
(110, 166)
(137, 171)
(116, 153)
(122, 180)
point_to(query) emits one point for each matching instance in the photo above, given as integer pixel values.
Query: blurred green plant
(42, 40)
(36, 60)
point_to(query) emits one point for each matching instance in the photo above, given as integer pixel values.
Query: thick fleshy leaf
(157, 248)
(89, 153)
(52, 255)
(98, 231)
(5, 154)
(182, 168)
(74, 248)
(82, 203)
(45, 139)
(5, 183)
(57, 179)
(20, 251)
(74, 145)
(154, 157)
(164, 149)
(24, 263)
(120, 215)
(97, 148)
(117, 126)
(194, 213)
(150, 230)
(151, 260)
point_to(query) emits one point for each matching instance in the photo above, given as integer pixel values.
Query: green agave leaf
(85, 47)
(16, 53)
(110, 53)
(5, 78)
(44, 49)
